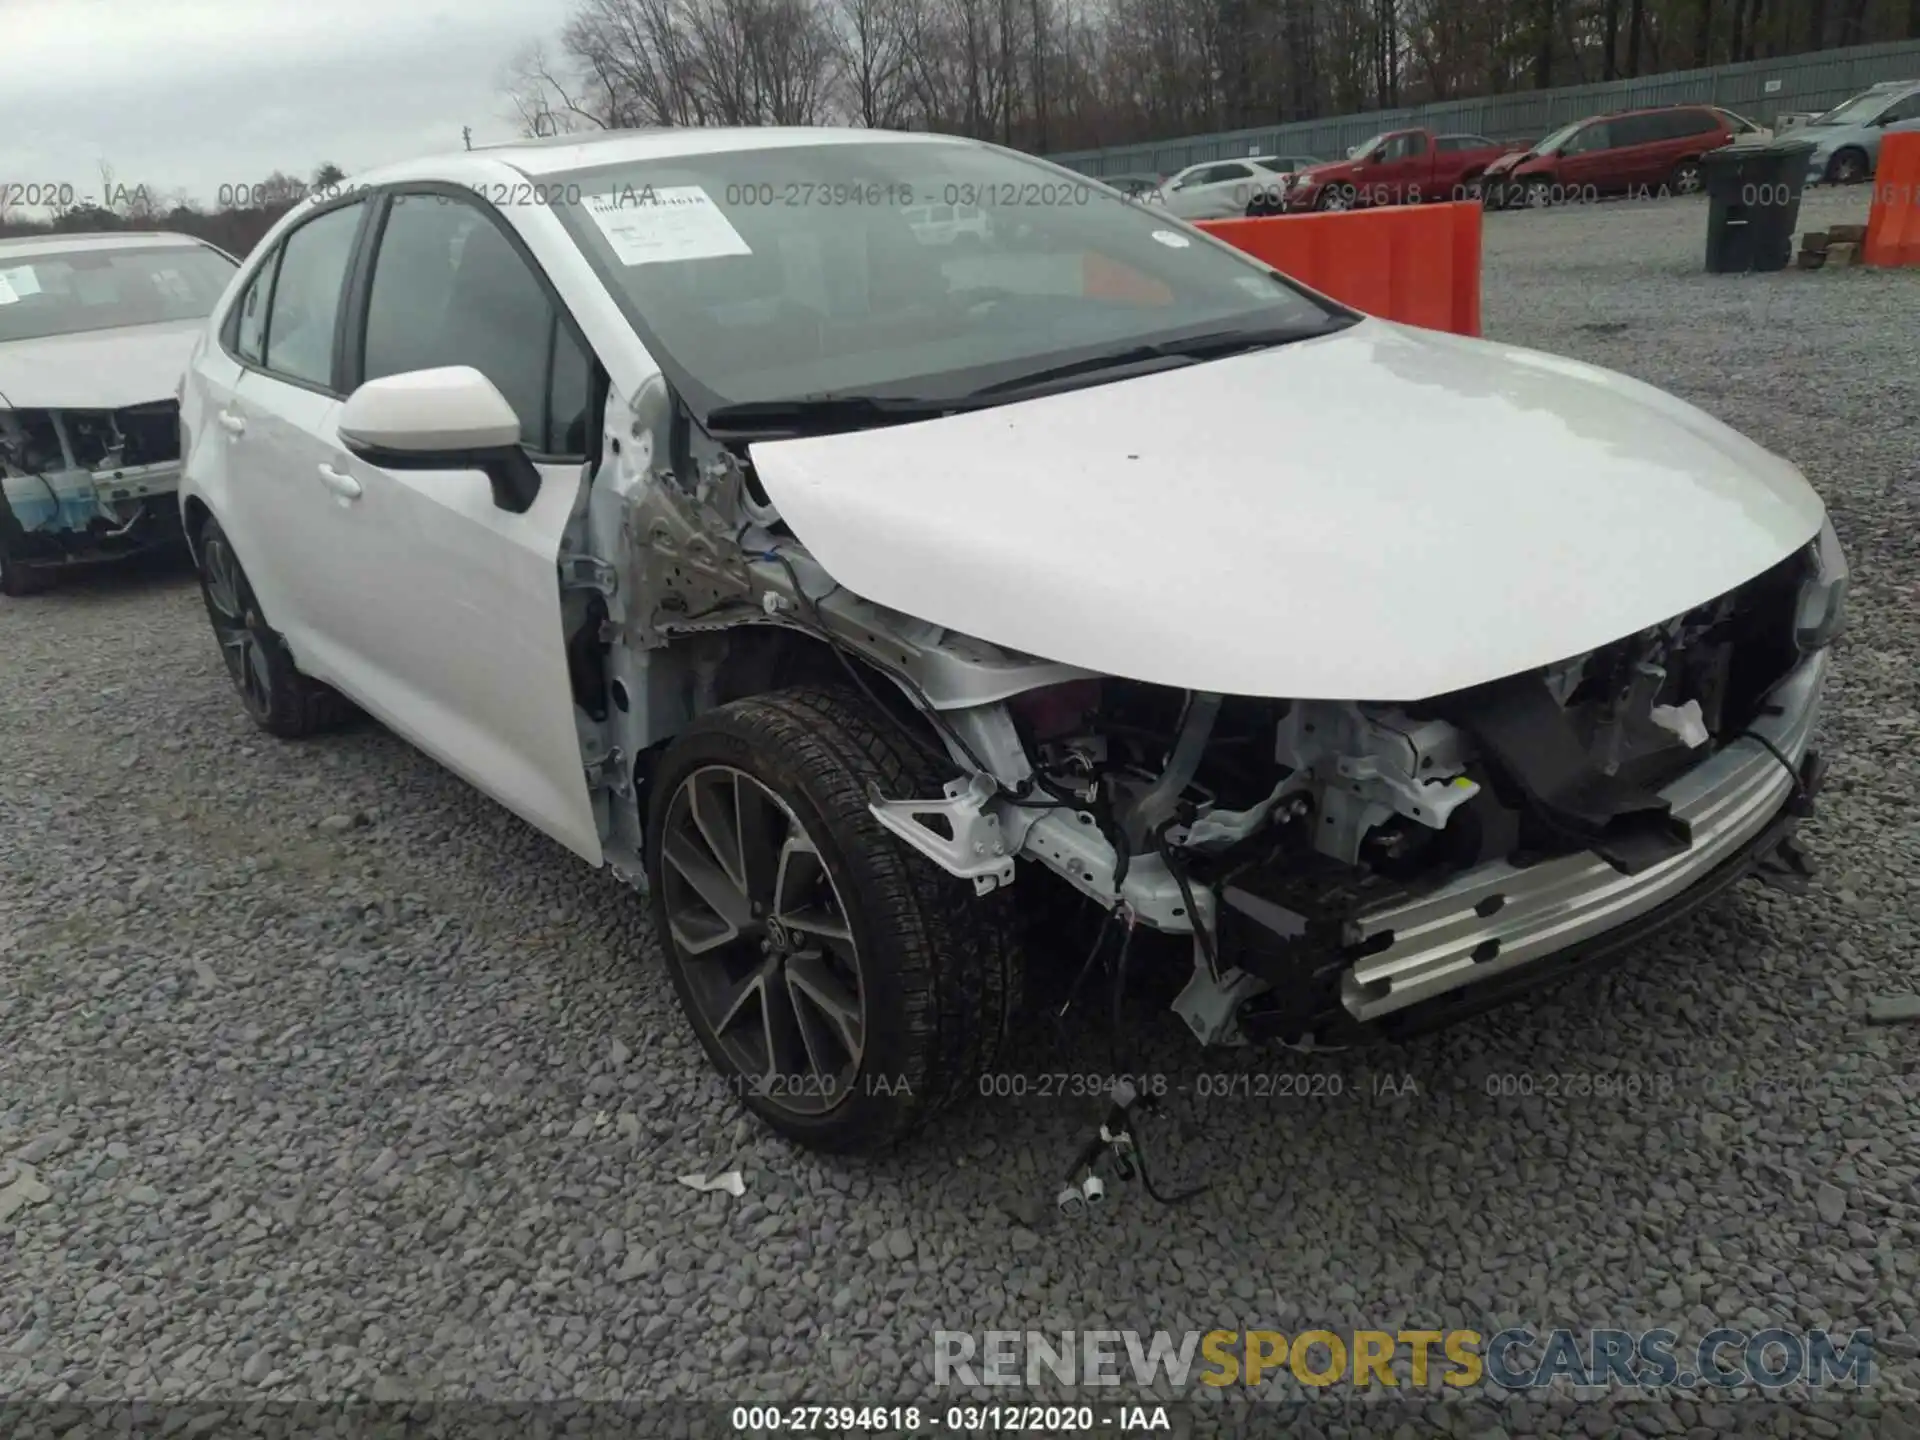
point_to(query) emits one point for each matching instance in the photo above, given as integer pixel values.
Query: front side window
(449, 288)
(1907, 109)
(66, 292)
(762, 276)
(1857, 111)
(1594, 137)
(306, 295)
(1559, 140)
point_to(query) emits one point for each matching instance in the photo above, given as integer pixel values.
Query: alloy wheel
(233, 624)
(768, 954)
(1686, 180)
(1849, 168)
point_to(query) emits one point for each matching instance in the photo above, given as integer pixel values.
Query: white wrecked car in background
(94, 333)
(860, 597)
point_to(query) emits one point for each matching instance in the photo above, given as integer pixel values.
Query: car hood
(1379, 514)
(1316, 174)
(1502, 163)
(97, 369)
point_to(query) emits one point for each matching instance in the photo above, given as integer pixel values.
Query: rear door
(285, 405)
(458, 637)
(1647, 147)
(1693, 133)
(214, 451)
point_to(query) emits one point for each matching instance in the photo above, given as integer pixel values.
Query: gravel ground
(342, 1082)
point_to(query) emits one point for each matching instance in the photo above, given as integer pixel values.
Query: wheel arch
(715, 668)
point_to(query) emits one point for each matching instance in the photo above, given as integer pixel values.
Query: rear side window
(1639, 130)
(449, 288)
(250, 328)
(306, 296)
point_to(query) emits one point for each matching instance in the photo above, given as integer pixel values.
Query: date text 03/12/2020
(968, 1420)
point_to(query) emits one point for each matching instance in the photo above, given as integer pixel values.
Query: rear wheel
(272, 690)
(846, 988)
(1847, 167)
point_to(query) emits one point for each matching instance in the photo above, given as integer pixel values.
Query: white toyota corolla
(855, 595)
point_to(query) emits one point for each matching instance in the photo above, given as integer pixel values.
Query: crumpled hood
(97, 369)
(1380, 514)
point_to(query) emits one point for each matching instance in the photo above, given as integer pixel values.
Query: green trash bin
(1753, 204)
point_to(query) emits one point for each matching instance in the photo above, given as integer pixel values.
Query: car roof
(96, 240)
(552, 154)
(1660, 109)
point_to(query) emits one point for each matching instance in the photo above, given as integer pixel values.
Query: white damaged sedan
(894, 613)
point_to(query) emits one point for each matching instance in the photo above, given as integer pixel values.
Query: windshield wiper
(1189, 349)
(811, 414)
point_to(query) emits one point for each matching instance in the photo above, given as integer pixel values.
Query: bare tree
(871, 41)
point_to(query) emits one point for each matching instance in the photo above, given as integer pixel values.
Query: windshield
(799, 273)
(1365, 147)
(63, 292)
(1558, 138)
(1856, 111)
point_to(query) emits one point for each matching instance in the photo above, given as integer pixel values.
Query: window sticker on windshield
(21, 280)
(1172, 239)
(669, 222)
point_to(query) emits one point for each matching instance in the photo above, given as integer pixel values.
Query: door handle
(231, 423)
(345, 486)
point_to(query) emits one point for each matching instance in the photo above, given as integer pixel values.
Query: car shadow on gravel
(167, 568)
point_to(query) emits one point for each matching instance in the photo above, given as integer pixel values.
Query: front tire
(1337, 197)
(275, 695)
(1687, 178)
(846, 988)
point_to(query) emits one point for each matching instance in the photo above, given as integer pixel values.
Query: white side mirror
(451, 418)
(454, 408)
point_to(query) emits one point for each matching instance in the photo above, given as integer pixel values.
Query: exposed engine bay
(78, 483)
(1267, 830)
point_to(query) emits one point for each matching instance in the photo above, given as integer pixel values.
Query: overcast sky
(194, 94)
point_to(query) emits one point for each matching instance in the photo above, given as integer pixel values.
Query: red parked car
(1634, 152)
(1400, 167)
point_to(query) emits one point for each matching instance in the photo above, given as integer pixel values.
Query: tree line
(1051, 75)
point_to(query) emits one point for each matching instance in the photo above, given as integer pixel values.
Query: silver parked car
(1847, 138)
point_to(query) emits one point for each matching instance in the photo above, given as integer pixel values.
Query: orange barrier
(1418, 264)
(1893, 224)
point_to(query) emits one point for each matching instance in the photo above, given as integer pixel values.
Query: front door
(457, 639)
